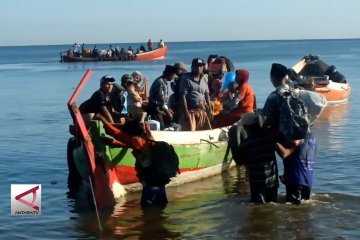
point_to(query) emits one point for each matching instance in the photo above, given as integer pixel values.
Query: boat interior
(312, 69)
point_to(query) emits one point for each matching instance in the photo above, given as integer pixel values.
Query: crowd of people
(114, 53)
(201, 100)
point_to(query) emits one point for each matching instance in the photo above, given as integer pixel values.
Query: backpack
(294, 119)
(164, 164)
(236, 134)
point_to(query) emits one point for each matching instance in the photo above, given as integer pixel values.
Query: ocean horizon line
(189, 41)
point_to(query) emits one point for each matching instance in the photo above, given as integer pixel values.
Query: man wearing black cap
(159, 96)
(298, 152)
(271, 109)
(194, 92)
(99, 102)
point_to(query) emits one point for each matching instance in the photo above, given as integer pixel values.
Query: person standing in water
(257, 151)
(298, 160)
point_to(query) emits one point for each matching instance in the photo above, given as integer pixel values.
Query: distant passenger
(83, 51)
(130, 51)
(161, 44)
(70, 52)
(117, 53)
(112, 51)
(142, 48)
(149, 45)
(76, 48)
(195, 98)
(122, 54)
(95, 52)
(159, 97)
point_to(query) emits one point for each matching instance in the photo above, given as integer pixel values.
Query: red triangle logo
(30, 204)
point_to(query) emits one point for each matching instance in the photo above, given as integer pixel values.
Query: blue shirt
(124, 110)
(299, 166)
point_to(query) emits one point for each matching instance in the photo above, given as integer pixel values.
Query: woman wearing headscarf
(239, 100)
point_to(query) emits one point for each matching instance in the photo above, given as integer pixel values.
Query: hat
(278, 71)
(217, 66)
(118, 88)
(169, 70)
(242, 75)
(106, 79)
(179, 65)
(126, 78)
(249, 119)
(197, 62)
(136, 73)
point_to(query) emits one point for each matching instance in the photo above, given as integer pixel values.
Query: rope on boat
(204, 140)
(91, 184)
(96, 209)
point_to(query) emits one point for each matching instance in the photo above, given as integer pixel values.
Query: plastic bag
(315, 103)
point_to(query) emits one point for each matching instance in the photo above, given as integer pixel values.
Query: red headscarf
(242, 76)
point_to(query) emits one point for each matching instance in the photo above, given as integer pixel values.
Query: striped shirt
(159, 93)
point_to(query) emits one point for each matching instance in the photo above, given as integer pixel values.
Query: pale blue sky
(25, 22)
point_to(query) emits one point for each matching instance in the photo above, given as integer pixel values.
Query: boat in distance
(156, 54)
(313, 74)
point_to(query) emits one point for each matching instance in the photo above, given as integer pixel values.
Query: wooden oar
(208, 121)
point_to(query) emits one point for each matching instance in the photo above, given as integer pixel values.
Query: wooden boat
(314, 74)
(201, 154)
(156, 54)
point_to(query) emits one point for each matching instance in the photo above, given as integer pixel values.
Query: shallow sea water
(35, 88)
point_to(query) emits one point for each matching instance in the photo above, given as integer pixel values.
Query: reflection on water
(218, 208)
(235, 182)
(334, 115)
(331, 126)
(34, 140)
